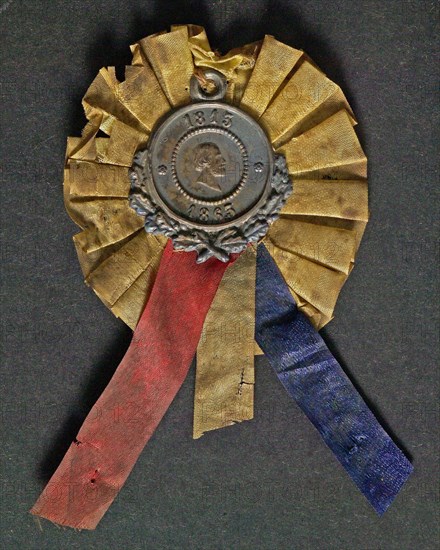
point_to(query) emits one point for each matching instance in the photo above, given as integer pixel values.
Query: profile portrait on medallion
(209, 165)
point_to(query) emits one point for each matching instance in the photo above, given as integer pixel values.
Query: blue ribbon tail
(316, 381)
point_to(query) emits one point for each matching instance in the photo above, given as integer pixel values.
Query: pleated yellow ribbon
(306, 117)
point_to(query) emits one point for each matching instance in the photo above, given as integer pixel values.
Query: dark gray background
(270, 483)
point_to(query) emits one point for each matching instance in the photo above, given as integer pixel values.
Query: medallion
(209, 178)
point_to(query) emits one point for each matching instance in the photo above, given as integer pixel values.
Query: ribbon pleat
(333, 143)
(115, 275)
(313, 314)
(316, 284)
(224, 391)
(102, 99)
(328, 246)
(142, 95)
(84, 148)
(123, 419)
(315, 380)
(112, 224)
(122, 144)
(89, 181)
(131, 304)
(308, 93)
(91, 260)
(342, 199)
(273, 64)
(171, 59)
(97, 212)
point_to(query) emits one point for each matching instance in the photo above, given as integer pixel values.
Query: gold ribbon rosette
(314, 242)
(278, 289)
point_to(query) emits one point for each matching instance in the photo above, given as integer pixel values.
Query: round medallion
(207, 175)
(210, 164)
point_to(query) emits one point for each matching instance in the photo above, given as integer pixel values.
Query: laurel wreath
(219, 244)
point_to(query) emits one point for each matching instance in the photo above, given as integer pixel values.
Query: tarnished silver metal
(197, 92)
(209, 178)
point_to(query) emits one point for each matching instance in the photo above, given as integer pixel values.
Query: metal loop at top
(197, 92)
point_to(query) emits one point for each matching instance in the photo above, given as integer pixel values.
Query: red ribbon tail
(124, 418)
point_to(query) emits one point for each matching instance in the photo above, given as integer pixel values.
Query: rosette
(273, 294)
